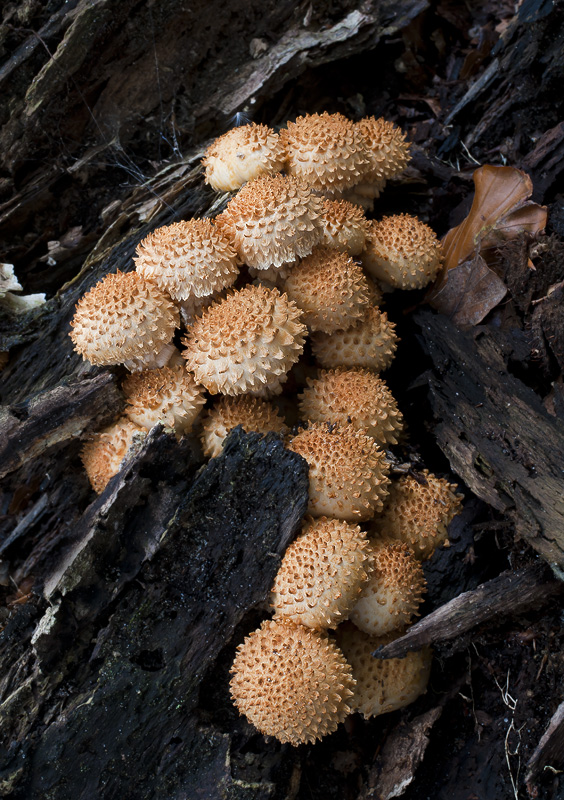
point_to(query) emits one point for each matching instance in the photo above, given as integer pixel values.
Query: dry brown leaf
(470, 293)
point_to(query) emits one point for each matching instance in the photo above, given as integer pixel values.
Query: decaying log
(549, 753)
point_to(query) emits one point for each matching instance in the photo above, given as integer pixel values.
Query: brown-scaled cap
(168, 395)
(330, 288)
(242, 154)
(189, 258)
(321, 574)
(344, 226)
(418, 512)
(385, 147)
(273, 220)
(245, 343)
(353, 395)
(348, 472)
(325, 151)
(291, 682)
(124, 319)
(103, 454)
(393, 593)
(382, 685)
(253, 413)
(402, 251)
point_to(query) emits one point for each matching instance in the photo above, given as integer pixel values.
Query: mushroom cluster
(292, 255)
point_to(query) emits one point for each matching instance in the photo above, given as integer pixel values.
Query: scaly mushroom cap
(418, 512)
(252, 413)
(370, 343)
(348, 473)
(402, 251)
(242, 154)
(382, 685)
(393, 593)
(291, 682)
(385, 147)
(169, 395)
(330, 289)
(187, 259)
(344, 226)
(325, 151)
(321, 574)
(245, 343)
(123, 319)
(354, 395)
(273, 220)
(103, 454)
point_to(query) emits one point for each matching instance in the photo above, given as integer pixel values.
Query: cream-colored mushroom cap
(124, 319)
(393, 593)
(245, 343)
(188, 259)
(168, 395)
(273, 220)
(402, 251)
(382, 685)
(321, 574)
(385, 147)
(348, 472)
(103, 454)
(371, 343)
(291, 682)
(344, 226)
(353, 395)
(242, 154)
(330, 288)
(418, 512)
(253, 413)
(325, 151)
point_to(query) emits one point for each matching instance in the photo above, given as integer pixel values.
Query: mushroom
(348, 472)
(330, 288)
(168, 395)
(344, 226)
(393, 592)
(125, 319)
(273, 220)
(382, 685)
(291, 682)
(321, 574)
(252, 413)
(325, 151)
(188, 259)
(245, 343)
(353, 395)
(387, 154)
(418, 511)
(103, 455)
(242, 154)
(402, 251)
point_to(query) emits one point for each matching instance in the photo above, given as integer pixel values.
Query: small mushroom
(321, 574)
(253, 413)
(387, 154)
(348, 472)
(291, 682)
(242, 154)
(103, 455)
(344, 226)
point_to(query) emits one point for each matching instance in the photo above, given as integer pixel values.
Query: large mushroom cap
(353, 395)
(169, 395)
(330, 288)
(245, 343)
(242, 154)
(291, 682)
(348, 473)
(344, 226)
(393, 593)
(325, 151)
(402, 251)
(273, 220)
(103, 454)
(186, 259)
(385, 147)
(321, 574)
(418, 512)
(382, 685)
(123, 319)
(253, 413)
